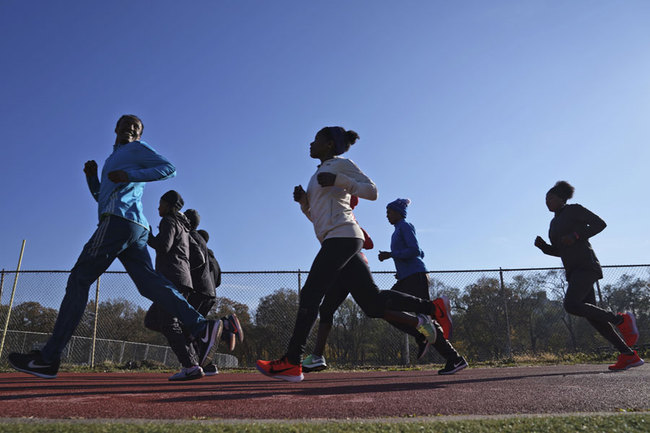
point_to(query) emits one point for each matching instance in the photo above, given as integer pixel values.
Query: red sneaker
(626, 361)
(281, 369)
(628, 329)
(442, 315)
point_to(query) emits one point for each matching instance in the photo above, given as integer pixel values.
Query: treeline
(491, 321)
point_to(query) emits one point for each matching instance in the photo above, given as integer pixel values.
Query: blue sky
(471, 109)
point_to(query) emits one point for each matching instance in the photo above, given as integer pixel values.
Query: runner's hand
(384, 255)
(539, 242)
(90, 168)
(299, 194)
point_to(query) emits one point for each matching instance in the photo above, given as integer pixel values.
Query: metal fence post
(122, 353)
(505, 309)
(92, 358)
(11, 302)
(2, 283)
(406, 359)
(299, 282)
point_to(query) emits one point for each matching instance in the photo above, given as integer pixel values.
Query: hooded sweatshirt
(172, 245)
(405, 250)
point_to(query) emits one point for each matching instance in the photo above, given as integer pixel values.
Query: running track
(475, 391)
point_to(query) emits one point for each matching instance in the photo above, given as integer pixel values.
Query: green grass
(617, 423)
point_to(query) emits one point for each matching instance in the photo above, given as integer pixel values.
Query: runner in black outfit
(569, 233)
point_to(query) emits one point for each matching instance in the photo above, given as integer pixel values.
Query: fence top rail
(298, 271)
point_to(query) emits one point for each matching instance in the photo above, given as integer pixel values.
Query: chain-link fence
(497, 313)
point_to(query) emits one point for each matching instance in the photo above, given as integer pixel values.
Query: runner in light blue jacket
(122, 233)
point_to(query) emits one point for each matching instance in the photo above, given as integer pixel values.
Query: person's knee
(151, 321)
(374, 310)
(572, 307)
(326, 316)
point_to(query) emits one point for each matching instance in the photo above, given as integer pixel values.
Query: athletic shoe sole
(627, 367)
(455, 370)
(32, 372)
(313, 369)
(185, 378)
(41, 375)
(291, 378)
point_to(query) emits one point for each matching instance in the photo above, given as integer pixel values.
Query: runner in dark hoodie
(204, 283)
(172, 245)
(569, 233)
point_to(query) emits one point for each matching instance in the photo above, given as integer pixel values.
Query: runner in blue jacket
(122, 233)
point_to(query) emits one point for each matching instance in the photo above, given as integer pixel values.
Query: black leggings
(418, 285)
(159, 320)
(340, 264)
(580, 300)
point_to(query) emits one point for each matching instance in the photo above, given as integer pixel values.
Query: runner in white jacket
(327, 205)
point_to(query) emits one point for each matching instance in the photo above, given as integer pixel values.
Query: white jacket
(328, 208)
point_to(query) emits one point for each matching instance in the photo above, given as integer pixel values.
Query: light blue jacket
(405, 250)
(142, 164)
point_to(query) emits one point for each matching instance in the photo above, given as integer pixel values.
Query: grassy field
(622, 423)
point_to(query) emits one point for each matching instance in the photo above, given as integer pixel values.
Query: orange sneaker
(626, 361)
(281, 369)
(442, 315)
(628, 329)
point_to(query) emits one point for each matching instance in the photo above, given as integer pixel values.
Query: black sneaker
(210, 369)
(205, 341)
(32, 363)
(453, 366)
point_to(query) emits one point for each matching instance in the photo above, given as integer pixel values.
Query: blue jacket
(405, 250)
(142, 164)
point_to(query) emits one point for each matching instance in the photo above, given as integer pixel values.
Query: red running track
(474, 391)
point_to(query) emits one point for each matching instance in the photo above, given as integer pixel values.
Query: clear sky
(472, 109)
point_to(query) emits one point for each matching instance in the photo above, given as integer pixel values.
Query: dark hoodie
(202, 280)
(172, 247)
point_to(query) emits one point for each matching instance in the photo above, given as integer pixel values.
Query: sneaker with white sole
(454, 366)
(189, 373)
(314, 363)
(33, 363)
(281, 369)
(207, 338)
(426, 328)
(210, 369)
